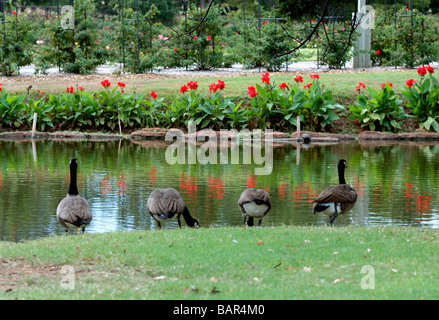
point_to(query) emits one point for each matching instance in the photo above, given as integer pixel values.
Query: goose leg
(334, 216)
(179, 222)
(260, 222)
(159, 224)
(243, 218)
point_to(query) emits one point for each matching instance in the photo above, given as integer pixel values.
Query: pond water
(397, 184)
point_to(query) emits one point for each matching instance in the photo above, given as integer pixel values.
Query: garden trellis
(195, 42)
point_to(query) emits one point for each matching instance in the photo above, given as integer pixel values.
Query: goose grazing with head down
(164, 204)
(337, 199)
(254, 203)
(74, 211)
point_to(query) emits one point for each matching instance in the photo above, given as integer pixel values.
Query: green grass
(227, 263)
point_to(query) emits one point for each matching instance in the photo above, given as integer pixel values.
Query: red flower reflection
(216, 188)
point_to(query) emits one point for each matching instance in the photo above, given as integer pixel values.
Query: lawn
(226, 263)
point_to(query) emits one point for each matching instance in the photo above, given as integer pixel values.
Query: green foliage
(274, 107)
(382, 112)
(15, 49)
(411, 42)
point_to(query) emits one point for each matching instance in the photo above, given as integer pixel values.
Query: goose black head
(342, 164)
(73, 163)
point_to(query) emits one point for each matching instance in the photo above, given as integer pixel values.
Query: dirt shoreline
(160, 133)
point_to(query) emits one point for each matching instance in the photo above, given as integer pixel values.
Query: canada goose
(164, 204)
(74, 211)
(254, 203)
(337, 199)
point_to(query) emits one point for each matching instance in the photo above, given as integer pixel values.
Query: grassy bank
(227, 263)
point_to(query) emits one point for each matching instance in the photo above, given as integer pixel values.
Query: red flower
(384, 85)
(307, 85)
(378, 52)
(314, 76)
(153, 95)
(175, 49)
(221, 85)
(298, 79)
(195, 38)
(106, 83)
(184, 89)
(69, 89)
(81, 88)
(360, 86)
(121, 84)
(252, 92)
(209, 38)
(410, 83)
(264, 23)
(14, 13)
(266, 78)
(430, 69)
(213, 87)
(422, 71)
(1, 87)
(193, 85)
(283, 86)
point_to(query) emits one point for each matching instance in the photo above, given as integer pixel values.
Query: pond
(397, 184)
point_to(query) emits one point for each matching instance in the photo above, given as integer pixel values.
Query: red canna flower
(360, 86)
(175, 49)
(283, 86)
(153, 95)
(410, 83)
(378, 52)
(221, 85)
(106, 84)
(209, 38)
(193, 85)
(307, 85)
(314, 76)
(384, 85)
(69, 89)
(266, 78)
(430, 69)
(1, 89)
(14, 13)
(121, 84)
(298, 79)
(252, 92)
(184, 89)
(81, 88)
(422, 71)
(213, 87)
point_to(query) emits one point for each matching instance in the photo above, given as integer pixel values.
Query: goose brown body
(254, 203)
(74, 211)
(338, 199)
(164, 204)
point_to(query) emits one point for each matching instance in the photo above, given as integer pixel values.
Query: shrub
(409, 43)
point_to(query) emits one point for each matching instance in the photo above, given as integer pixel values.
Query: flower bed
(268, 106)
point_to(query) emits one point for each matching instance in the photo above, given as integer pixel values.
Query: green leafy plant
(12, 109)
(381, 112)
(423, 98)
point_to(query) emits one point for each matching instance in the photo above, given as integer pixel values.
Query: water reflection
(397, 184)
